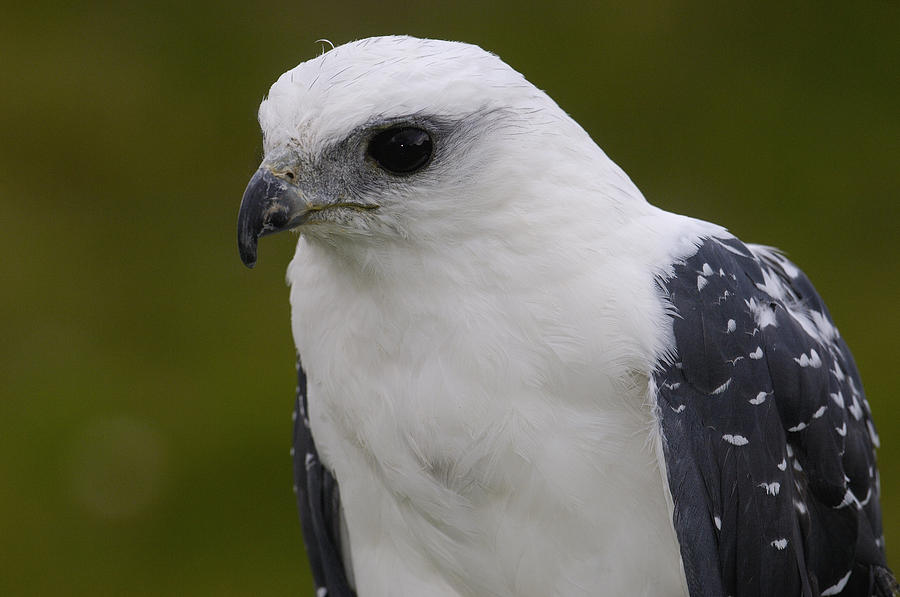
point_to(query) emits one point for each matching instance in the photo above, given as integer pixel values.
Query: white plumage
(479, 341)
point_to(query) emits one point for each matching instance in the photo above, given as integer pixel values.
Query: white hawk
(519, 378)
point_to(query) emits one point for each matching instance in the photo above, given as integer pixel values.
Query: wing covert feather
(319, 505)
(767, 436)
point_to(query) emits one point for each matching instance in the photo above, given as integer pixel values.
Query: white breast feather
(480, 389)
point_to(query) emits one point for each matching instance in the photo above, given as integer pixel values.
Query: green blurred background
(148, 377)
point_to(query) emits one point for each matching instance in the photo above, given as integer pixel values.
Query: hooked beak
(271, 204)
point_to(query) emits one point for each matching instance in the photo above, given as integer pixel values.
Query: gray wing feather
(319, 505)
(767, 436)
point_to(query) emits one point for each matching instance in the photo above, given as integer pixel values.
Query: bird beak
(272, 203)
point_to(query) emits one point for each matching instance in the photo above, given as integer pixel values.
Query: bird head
(398, 140)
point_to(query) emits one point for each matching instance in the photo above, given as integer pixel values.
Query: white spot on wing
(800, 506)
(789, 268)
(762, 313)
(797, 427)
(780, 544)
(837, 587)
(855, 410)
(872, 435)
(865, 502)
(812, 360)
(760, 398)
(701, 283)
(718, 522)
(757, 354)
(731, 249)
(771, 488)
(838, 374)
(842, 430)
(731, 326)
(849, 498)
(826, 331)
(820, 412)
(782, 465)
(773, 286)
(722, 387)
(736, 440)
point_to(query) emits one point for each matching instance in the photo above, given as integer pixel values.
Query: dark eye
(401, 150)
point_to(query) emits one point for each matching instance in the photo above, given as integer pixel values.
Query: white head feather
(508, 156)
(475, 346)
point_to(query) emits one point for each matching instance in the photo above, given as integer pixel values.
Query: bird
(517, 377)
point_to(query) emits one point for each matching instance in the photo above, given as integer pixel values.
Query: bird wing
(767, 436)
(319, 504)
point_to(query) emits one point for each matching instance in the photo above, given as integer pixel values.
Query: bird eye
(401, 150)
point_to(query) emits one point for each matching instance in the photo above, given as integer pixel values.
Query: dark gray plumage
(318, 502)
(767, 436)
